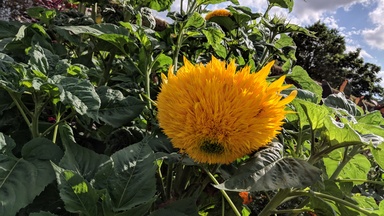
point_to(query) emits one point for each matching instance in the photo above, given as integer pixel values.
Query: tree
(325, 58)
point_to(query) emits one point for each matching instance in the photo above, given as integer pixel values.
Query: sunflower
(218, 12)
(216, 115)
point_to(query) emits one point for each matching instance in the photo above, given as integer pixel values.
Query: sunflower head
(216, 114)
(218, 12)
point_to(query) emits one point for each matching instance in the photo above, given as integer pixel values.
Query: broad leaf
(42, 213)
(268, 170)
(22, 179)
(76, 192)
(378, 154)
(116, 109)
(83, 161)
(338, 132)
(78, 93)
(357, 168)
(195, 21)
(301, 76)
(133, 182)
(311, 113)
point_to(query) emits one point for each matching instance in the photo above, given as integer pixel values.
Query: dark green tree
(325, 58)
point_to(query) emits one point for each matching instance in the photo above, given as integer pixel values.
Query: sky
(359, 21)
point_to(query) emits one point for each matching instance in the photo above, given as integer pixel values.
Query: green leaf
(160, 5)
(356, 168)
(117, 110)
(339, 101)
(378, 154)
(321, 207)
(133, 182)
(78, 195)
(313, 114)
(302, 94)
(196, 20)
(183, 207)
(83, 161)
(8, 29)
(214, 37)
(268, 170)
(43, 14)
(288, 4)
(284, 41)
(301, 76)
(22, 179)
(367, 203)
(338, 132)
(78, 93)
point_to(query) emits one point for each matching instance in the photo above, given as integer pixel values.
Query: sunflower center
(212, 147)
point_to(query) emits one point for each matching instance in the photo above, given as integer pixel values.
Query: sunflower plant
(132, 115)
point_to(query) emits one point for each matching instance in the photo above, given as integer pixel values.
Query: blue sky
(359, 21)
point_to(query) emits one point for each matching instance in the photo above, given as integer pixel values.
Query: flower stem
(225, 195)
(18, 105)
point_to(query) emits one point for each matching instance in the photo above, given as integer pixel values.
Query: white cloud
(363, 53)
(375, 36)
(381, 74)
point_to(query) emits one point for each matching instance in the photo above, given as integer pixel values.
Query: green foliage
(80, 133)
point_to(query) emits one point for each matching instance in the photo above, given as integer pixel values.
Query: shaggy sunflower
(216, 115)
(218, 12)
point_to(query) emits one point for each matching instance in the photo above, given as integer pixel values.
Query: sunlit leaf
(301, 76)
(288, 4)
(76, 192)
(339, 101)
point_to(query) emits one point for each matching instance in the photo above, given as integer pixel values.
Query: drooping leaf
(268, 170)
(301, 76)
(339, 101)
(133, 182)
(367, 203)
(160, 5)
(116, 109)
(214, 37)
(284, 41)
(76, 192)
(321, 207)
(83, 161)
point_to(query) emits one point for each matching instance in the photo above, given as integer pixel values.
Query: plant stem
(169, 179)
(225, 195)
(360, 180)
(275, 202)
(315, 157)
(56, 124)
(18, 105)
(347, 157)
(332, 198)
(177, 47)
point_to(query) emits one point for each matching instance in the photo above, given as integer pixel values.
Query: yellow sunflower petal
(216, 115)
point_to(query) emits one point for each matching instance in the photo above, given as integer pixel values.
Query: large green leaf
(22, 179)
(83, 161)
(76, 192)
(339, 101)
(8, 29)
(215, 37)
(116, 109)
(133, 181)
(357, 167)
(268, 170)
(311, 113)
(338, 132)
(301, 76)
(78, 93)
(160, 5)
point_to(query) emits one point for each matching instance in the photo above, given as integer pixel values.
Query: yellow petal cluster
(218, 12)
(216, 114)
